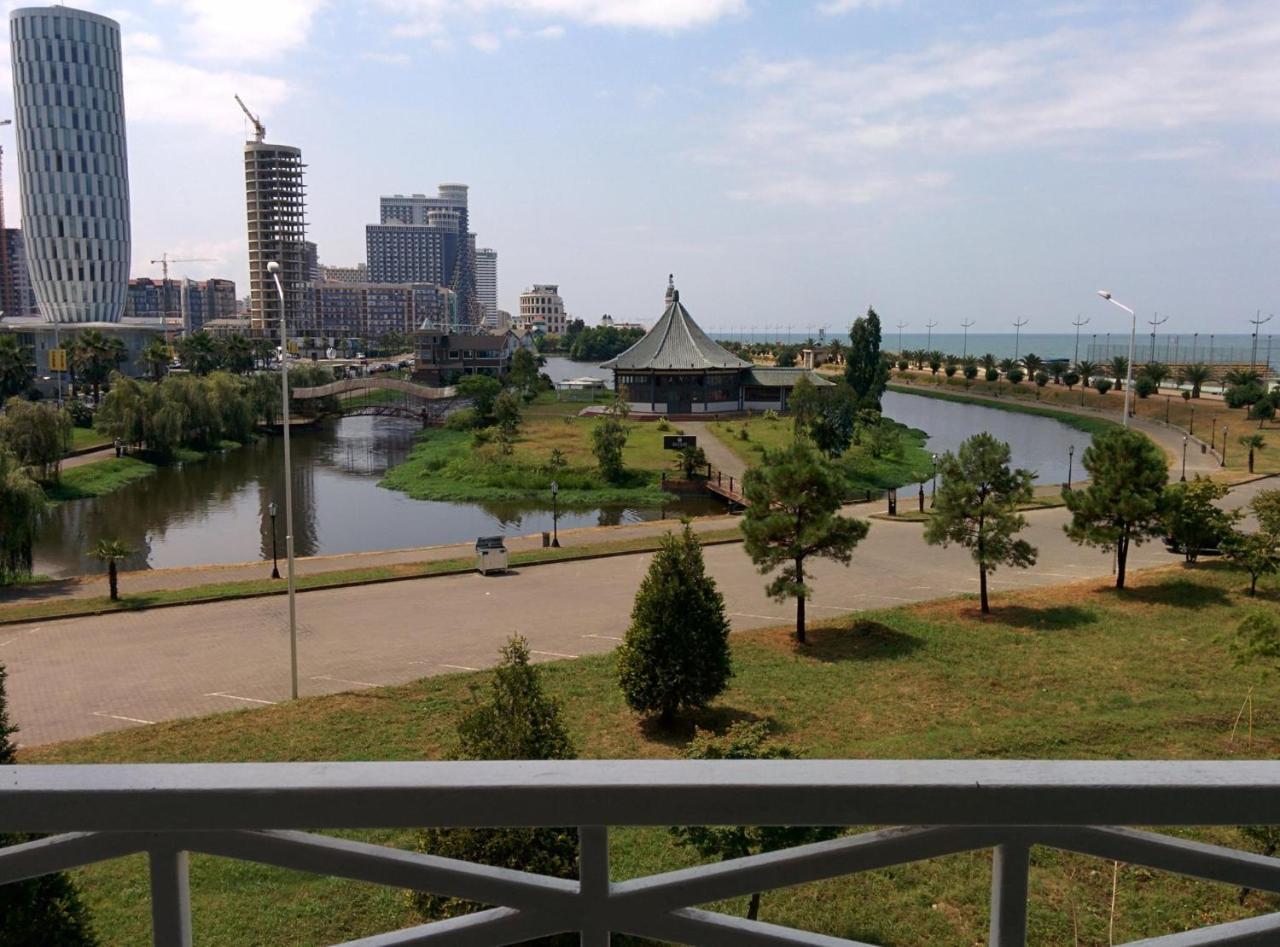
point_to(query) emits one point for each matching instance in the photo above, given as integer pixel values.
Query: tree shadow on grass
(717, 719)
(37, 591)
(1051, 618)
(857, 640)
(1176, 593)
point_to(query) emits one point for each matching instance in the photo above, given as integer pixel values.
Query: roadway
(77, 677)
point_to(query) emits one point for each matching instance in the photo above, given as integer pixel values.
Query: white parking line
(343, 680)
(10, 641)
(455, 667)
(118, 717)
(750, 615)
(252, 700)
(554, 654)
(605, 637)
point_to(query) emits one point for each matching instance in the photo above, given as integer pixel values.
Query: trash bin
(546, 539)
(1203, 448)
(491, 554)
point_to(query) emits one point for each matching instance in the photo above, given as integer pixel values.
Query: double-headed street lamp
(274, 269)
(275, 566)
(1133, 334)
(555, 515)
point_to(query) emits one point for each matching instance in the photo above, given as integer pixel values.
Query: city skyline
(936, 164)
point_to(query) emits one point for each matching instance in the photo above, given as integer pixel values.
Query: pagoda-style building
(677, 370)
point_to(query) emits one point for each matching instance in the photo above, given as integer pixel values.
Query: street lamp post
(933, 497)
(274, 269)
(1191, 428)
(1075, 358)
(1071, 456)
(1184, 458)
(1133, 335)
(1224, 446)
(1167, 401)
(275, 564)
(555, 515)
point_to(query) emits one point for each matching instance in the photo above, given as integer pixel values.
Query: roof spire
(673, 294)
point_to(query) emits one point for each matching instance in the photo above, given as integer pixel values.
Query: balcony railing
(256, 812)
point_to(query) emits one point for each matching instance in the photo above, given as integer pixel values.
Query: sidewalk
(718, 453)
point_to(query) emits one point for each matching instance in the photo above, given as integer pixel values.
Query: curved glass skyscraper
(72, 161)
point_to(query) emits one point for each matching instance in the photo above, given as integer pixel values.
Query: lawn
(450, 465)
(98, 478)
(83, 438)
(863, 472)
(1057, 673)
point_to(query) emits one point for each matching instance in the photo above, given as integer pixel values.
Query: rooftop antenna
(259, 130)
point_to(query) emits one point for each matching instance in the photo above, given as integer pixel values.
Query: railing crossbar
(1261, 931)
(492, 928)
(61, 852)
(708, 929)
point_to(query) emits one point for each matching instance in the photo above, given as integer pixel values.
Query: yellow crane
(259, 130)
(164, 262)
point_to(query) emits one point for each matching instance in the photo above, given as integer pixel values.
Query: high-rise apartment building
(541, 303)
(195, 302)
(72, 161)
(371, 311)
(17, 298)
(487, 285)
(276, 210)
(344, 274)
(421, 239)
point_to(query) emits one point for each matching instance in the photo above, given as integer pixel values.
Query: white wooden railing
(256, 812)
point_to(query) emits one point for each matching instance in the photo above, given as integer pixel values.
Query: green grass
(83, 438)
(1080, 422)
(63, 607)
(98, 478)
(863, 472)
(1064, 673)
(449, 465)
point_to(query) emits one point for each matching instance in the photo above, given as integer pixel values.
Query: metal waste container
(491, 554)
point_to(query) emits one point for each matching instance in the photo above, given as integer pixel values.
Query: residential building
(443, 357)
(369, 311)
(608, 322)
(421, 239)
(487, 285)
(192, 302)
(72, 161)
(541, 303)
(344, 274)
(275, 203)
(677, 370)
(17, 297)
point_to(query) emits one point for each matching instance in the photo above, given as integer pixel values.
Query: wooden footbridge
(726, 486)
(386, 397)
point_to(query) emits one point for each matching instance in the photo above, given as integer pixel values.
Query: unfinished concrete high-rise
(276, 207)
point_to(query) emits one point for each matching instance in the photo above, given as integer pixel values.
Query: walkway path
(80, 676)
(718, 453)
(81, 459)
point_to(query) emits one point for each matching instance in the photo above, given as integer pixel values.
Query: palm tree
(1253, 442)
(835, 348)
(1197, 375)
(111, 551)
(988, 361)
(96, 356)
(1242, 376)
(156, 357)
(237, 354)
(1119, 369)
(1032, 363)
(1086, 370)
(16, 367)
(1156, 371)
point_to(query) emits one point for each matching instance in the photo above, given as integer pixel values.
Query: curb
(353, 583)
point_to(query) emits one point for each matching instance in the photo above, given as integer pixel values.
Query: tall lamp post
(933, 497)
(1183, 478)
(275, 565)
(1071, 457)
(555, 515)
(1224, 446)
(274, 269)
(1133, 334)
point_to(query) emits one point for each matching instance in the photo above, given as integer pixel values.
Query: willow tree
(21, 503)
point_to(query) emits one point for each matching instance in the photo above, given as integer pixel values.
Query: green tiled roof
(766, 376)
(675, 343)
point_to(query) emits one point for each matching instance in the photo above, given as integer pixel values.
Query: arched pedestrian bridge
(385, 397)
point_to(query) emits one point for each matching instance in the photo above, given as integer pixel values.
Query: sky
(790, 161)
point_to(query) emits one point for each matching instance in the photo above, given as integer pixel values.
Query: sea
(1170, 348)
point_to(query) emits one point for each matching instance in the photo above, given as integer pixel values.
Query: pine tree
(1123, 503)
(977, 507)
(675, 656)
(516, 721)
(44, 911)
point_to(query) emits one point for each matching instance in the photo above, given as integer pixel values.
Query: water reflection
(217, 510)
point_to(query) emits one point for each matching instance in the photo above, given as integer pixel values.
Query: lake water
(216, 511)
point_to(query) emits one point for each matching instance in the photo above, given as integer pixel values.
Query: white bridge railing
(256, 812)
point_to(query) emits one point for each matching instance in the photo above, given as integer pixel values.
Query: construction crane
(164, 262)
(259, 130)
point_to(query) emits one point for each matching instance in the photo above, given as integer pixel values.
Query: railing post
(170, 898)
(1009, 865)
(593, 883)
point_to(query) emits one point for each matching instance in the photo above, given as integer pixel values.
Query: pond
(216, 511)
(1037, 443)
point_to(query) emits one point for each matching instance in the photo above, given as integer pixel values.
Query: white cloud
(842, 128)
(164, 92)
(554, 31)
(485, 42)
(434, 17)
(389, 59)
(247, 30)
(837, 7)
(134, 41)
